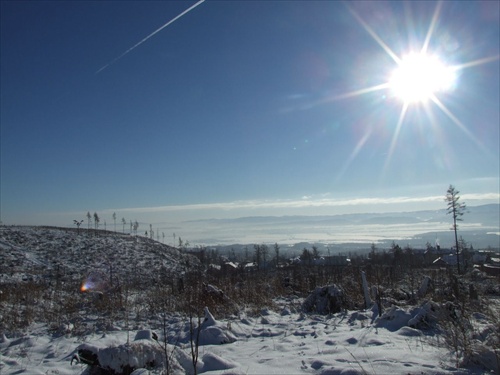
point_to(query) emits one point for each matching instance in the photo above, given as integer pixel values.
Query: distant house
(336, 260)
(214, 267)
(492, 268)
(248, 267)
(229, 267)
(440, 262)
(495, 261)
(433, 253)
(451, 259)
(317, 261)
(448, 259)
(333, 260)
(445, 260)
(479, 258)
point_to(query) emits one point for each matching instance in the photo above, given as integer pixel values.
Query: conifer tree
(456, 209)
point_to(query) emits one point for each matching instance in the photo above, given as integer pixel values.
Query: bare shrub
(20, 301)
(458, 331)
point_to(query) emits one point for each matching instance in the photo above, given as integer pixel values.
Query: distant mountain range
(486, 215)
(480, 227)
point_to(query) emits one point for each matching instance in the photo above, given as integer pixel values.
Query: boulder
(325, 300)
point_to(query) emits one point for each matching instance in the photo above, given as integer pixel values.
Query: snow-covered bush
(210, 331)
(425, 316)
(143, 352)
(325, 300)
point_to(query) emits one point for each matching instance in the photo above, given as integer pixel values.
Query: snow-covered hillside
(36, 253)
(133, 325)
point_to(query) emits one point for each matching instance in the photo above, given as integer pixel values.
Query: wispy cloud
(485, 196)
(150, 35)
(304, 202)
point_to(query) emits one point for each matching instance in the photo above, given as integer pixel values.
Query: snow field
(42, 271)
(273, 343)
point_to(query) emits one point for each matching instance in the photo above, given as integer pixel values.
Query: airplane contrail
(149, 36)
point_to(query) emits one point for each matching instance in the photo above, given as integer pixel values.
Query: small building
(494, 261)
(491, 270)
(336, 260)
(229, 267)
(440, 262)
(248, 267)
(479, 258)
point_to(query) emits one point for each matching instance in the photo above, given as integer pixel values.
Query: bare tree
(89, 219)
(265, 252)
(277, 252)
(165, 342)
(315, 252)
(258, 255)
(306, 256)
(114, 219)
(96, 222)
(124, 222)
(456, 209)
(194, 339)
(78, 223)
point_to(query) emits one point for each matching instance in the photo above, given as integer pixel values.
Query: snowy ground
(287, 342)
(282, 340)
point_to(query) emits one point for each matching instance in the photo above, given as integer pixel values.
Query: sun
(419, 81)
(419, 77)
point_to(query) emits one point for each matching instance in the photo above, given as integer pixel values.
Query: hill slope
(34, 253)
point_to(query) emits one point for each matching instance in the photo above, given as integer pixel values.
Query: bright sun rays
(419, 77)
(418, 80)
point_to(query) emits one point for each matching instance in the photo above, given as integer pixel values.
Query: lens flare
(95, 282)
(85, 287)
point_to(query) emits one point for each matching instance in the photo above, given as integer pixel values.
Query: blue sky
(241, 108)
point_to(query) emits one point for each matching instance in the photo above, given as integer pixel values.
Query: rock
(325, 300)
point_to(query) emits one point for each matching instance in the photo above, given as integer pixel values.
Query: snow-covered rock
(325, 300)
(143, 353)
(213, 362)
(213, 332)
(422, 317)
